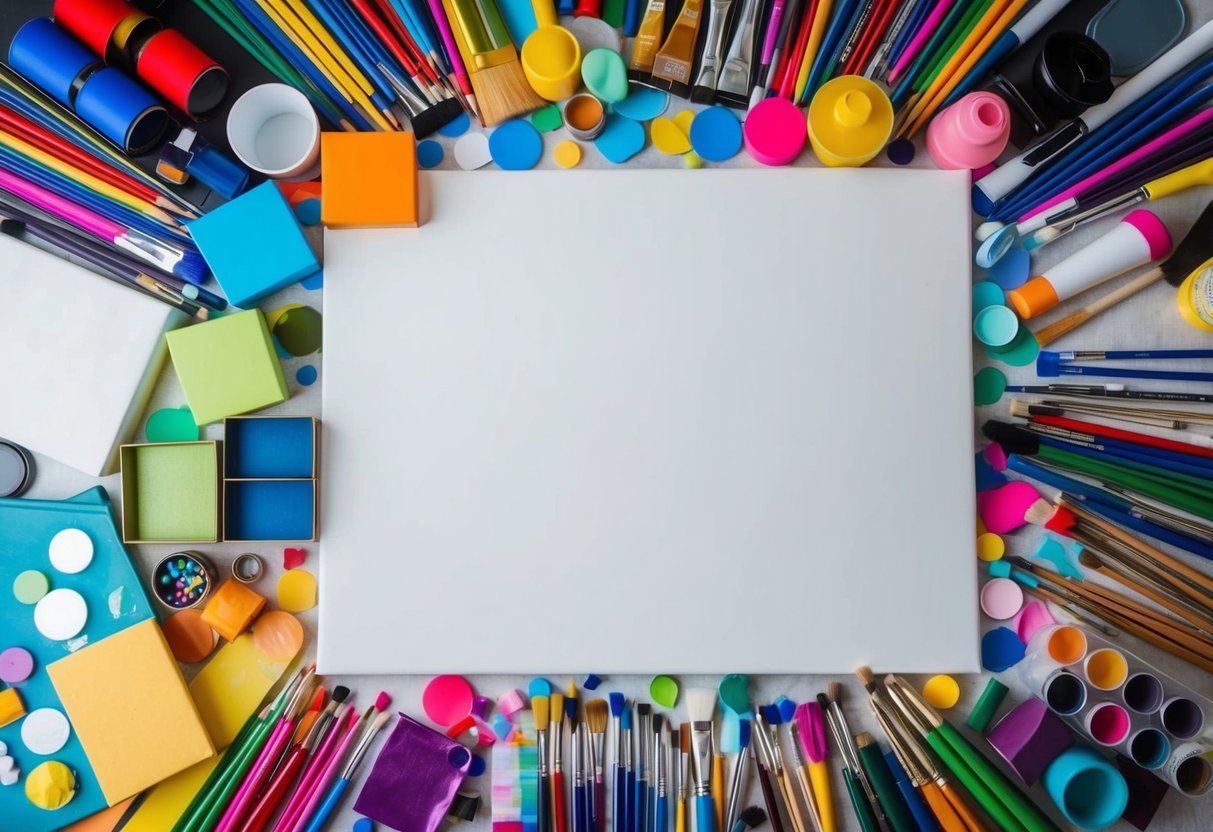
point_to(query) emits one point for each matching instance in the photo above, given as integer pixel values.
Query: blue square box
(270, 510)
(269, 448)
(254, 245)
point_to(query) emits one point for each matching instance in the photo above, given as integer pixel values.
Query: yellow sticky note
(233, 685)
(131, 710)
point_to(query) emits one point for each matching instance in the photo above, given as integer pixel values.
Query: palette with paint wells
(78, 627)
(271, 465)
(1117, 701)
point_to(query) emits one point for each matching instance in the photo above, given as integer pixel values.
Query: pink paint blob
(996, 456)
(447, 699)
(1001, 598)
(1003, 509)
(1031, 618)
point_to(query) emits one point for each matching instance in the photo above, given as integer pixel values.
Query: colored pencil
(790, 86)
(831, 38)
(333, 797)
(869, 38)
(342, 737)
(921, 38)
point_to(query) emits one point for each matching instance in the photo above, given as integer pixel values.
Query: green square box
(170, 492)
(227, 366)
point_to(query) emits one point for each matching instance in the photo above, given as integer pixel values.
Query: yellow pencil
(814, 43)
(931, 103)
(86, 179)
(977, 36)
(293, 28)
(311, 24)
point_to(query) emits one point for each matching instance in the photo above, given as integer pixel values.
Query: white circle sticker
(61, 614)
(45, 731)
(71, 551)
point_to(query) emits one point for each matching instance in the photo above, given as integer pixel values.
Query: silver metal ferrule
(557, 742)
(598, 754)
(624, 750)
(541, 741)
(735, 70)
(575, 752)
(713, 49)
(660, 769)
(701, 757)
(644, 738)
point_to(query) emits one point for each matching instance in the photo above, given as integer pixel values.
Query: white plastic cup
(274, 131)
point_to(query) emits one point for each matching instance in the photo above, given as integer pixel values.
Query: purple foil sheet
(414, 779)
(1029, 738)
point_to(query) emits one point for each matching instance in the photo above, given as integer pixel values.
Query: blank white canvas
(652, 421)
(80, 357)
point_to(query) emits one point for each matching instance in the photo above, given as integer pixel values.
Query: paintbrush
(684, 776)
(655, 773)
(881, 777)
(540, 706)
(701, 704)
(863, 798)
(640, 793)
(752, 818)
(744, 730)
(596, 713)
(810, 729)
(768, 748)
(620, 765)
(768, 793)
(581, 809)
(801, 767)
(626, 799)
(996, 793)
(502, 91)
(556, 749)
(661, 771)
(333, 797)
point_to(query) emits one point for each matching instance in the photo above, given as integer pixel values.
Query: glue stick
(1138, 239)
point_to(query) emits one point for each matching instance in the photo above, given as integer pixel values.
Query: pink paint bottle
(971, 133)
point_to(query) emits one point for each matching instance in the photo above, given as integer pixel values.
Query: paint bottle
(1087, 789)
(103, 97)
(850, 119)
(971, 133)
(1195, 297)
(1138, 239)
(1189, 770)
(1050, 80)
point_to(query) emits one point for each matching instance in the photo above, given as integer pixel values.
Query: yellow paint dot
(981, 527)
(692, 160)
(668, 137)
(50, 786)
(568, 154)
(684, 119)
(941, 692)
(990, 547)
(297, 590)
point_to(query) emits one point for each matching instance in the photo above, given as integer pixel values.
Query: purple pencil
(920, 38)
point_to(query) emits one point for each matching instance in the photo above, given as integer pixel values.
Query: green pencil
(958, 35)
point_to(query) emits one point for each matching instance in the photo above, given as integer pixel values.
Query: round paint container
(1182, 717)
(16, 469)
(1106, 669)
(1142, 693)
(1149, 748)
(1107, 723)
(183, 73)
(273, 129)
(108, 27)
(1065, 693)
(850, 119)
(182, 580)
(584, 116)
(1189, 770)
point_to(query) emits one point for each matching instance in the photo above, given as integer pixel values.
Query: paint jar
(273, 129)
(850, 120)
(1142, 693)
(584, 117)
(1106, 669)
(1182, 717)
(995, 326)
(16, 469)
(103, 97)
(1064, 644)
(1107, 724)
(1149, 748)
(1064, 692)
(1088, 790)
(1195, 297)
(1051, 80)
(1189, 770)
(971, 133)
(182, 580)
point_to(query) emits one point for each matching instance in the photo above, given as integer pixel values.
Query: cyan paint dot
(716, 134)
(516, 145)
(314, 282)
(306, 375)
(457, 126)
(429, 154)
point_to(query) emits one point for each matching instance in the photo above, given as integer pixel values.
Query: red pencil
(787, 83)
(406, 37)
(389, 40)
(878, 22)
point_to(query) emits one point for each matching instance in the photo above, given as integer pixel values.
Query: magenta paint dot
(16, 665)
(775, 132)
(1031, 618)
(1003, 509)
(447, 699)
(1001, 649)
(1001, 598)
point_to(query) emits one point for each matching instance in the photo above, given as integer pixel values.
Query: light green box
(170, 492)
(227, 366)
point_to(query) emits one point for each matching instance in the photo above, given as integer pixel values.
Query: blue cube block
(254, 245)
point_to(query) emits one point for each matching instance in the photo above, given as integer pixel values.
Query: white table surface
(1148, 320)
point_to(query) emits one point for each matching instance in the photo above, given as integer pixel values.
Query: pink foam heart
(1002, 510)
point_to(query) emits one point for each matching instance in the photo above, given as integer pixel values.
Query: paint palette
(113, 600)
(1115, 700)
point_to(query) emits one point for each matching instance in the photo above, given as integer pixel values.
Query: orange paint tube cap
(1033, 298)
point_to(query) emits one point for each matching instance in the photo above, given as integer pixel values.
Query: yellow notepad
(129, 706)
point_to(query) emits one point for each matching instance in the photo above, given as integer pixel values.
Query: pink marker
(920, 38)
(1136, 240)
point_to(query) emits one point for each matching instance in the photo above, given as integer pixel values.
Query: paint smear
(298, 330)
(278, 635)
(172, 424)
(664, 690)
(297, 590)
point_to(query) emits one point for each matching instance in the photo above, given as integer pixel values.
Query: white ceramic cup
(274, 131)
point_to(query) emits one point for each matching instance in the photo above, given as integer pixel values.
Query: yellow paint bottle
(1195, 297)
(850, 119)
